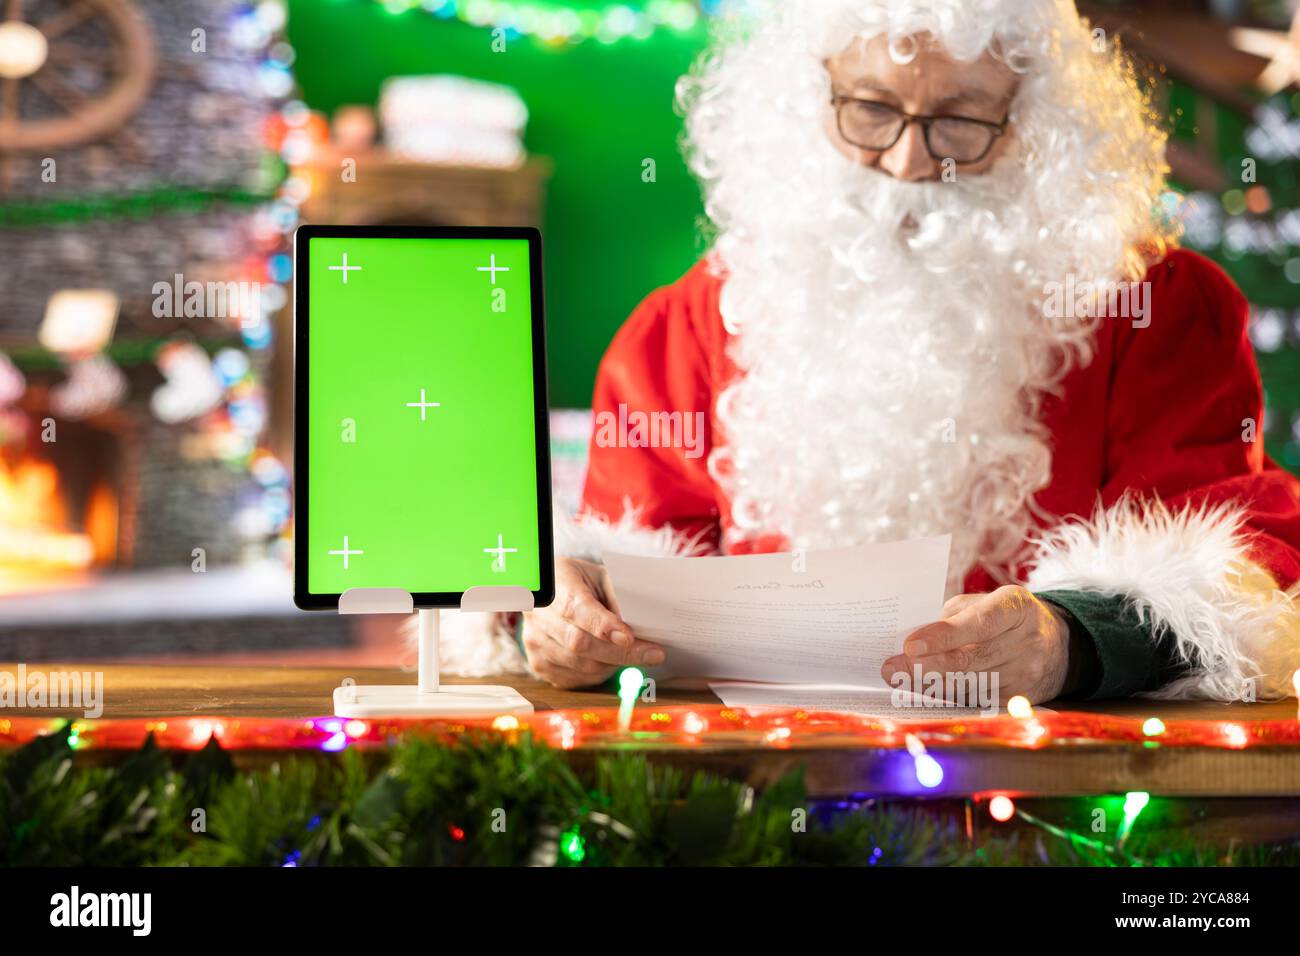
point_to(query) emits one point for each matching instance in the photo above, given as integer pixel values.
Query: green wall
(597, 111)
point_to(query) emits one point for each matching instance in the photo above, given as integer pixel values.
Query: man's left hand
(1008, 631)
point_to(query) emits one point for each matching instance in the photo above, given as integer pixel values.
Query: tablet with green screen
(420, 420)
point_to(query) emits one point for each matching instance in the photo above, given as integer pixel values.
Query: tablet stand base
(407, 700)
(427, 697)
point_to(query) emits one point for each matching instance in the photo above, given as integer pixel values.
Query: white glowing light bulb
(23, 50)
(1001, 808)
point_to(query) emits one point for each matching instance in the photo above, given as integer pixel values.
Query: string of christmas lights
(680, 726)
(556, 24)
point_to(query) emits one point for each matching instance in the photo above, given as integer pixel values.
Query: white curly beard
(894, 353)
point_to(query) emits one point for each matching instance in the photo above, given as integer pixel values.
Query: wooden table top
(179, 690)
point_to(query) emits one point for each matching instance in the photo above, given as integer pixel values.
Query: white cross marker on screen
(423, 406)
(499, 563)
(493, 268)
(346, 552)
(345, 268)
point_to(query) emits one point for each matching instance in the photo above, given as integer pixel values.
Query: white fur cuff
(477, 644)
(1188, 573)
(590, 536)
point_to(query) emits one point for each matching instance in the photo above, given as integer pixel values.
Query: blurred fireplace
(115, 490)
(67, 505)
(97, 533)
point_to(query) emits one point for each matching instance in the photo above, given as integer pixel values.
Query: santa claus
(944, 295)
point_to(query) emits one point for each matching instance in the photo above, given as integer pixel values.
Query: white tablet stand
(429, 698)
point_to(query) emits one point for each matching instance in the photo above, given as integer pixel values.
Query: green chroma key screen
(421, 435)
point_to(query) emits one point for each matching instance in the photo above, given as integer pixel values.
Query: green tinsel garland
(484, 800)
(143, 204)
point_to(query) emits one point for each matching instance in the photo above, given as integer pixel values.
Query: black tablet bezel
(304, 598)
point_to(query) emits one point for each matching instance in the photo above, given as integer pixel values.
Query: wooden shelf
(393, 191)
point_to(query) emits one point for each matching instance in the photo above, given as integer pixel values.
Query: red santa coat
(1160, 487)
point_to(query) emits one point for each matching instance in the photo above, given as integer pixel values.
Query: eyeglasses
(875, 126)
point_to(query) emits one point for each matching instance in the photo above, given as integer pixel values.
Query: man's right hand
(578, 641)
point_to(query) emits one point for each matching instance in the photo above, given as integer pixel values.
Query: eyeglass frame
(999, 129)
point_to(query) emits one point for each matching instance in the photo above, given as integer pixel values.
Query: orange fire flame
(38, 547)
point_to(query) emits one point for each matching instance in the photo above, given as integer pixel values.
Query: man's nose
(908, 159)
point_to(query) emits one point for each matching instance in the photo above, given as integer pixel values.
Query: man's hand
(1023, 639)
(578, 641)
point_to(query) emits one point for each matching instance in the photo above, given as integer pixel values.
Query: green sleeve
(1112, 652)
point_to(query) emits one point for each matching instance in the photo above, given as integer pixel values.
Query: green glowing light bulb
(572, 846)
(1135, 801)
(629, 683)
